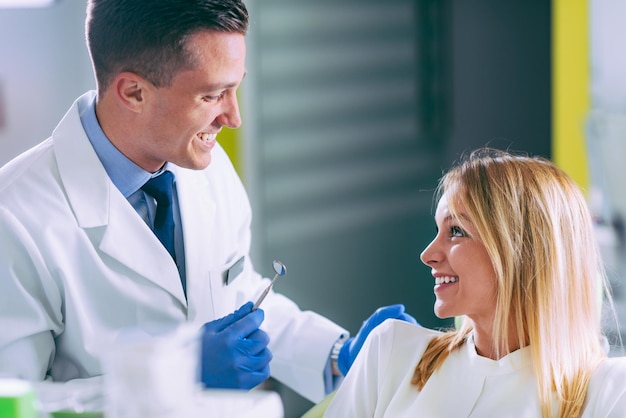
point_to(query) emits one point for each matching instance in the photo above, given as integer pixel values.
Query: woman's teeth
(446, 279)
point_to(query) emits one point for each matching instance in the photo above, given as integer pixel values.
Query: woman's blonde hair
(537, 229)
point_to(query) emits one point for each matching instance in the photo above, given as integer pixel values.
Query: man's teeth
(446, 279)
(207, 137)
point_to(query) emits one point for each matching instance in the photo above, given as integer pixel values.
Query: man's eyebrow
(223, 86)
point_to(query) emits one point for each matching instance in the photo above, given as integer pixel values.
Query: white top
(466, 385)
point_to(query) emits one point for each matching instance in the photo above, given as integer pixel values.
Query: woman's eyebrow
(452, 218)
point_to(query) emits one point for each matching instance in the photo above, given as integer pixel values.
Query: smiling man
(131, 216)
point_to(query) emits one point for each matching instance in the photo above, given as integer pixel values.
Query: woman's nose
(431, 254)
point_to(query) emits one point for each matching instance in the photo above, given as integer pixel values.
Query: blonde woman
(515, 256)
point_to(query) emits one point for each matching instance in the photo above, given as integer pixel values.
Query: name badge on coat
(233, 271)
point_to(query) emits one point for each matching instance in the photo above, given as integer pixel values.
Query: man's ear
(131, 90)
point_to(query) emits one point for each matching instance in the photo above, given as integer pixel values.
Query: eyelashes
(214, 98)
(456, 231)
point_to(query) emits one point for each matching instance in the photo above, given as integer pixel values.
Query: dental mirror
(280, 270)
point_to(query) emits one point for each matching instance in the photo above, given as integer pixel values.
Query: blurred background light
(15, 4)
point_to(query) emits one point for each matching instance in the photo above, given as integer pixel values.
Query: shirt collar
(127, 176)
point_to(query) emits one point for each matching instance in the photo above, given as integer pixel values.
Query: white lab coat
(78, 266)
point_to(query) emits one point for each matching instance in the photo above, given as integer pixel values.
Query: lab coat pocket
(219, 294)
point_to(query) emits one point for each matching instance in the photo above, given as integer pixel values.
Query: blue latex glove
(352, 347)
(234, 350)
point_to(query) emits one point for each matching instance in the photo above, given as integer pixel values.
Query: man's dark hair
(148, 37)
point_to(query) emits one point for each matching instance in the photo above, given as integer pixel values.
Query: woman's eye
(455, 231)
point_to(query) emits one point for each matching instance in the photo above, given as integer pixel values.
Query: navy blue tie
(160, 187)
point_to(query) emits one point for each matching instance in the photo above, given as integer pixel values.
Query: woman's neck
(486, 347)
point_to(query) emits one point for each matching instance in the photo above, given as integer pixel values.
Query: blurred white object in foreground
(239, 404)
(158, 378)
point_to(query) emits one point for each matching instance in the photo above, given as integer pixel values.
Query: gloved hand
(352, 347)
(234, 350)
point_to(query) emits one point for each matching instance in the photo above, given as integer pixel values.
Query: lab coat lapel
(197, 212)
(107, 217)
(129, 240)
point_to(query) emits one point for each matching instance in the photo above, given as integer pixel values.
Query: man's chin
(194, 164)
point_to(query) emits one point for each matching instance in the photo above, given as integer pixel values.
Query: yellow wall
(230, 141)
(570, 86)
